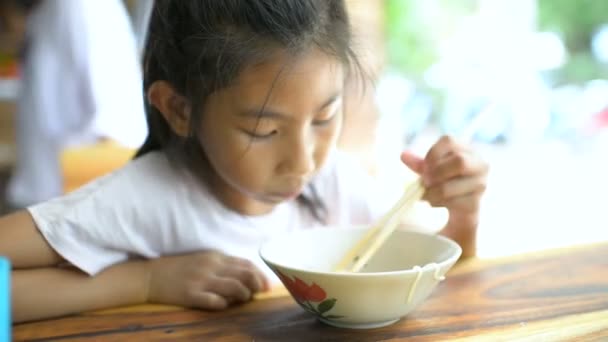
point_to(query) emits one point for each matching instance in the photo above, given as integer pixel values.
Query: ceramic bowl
(400, 276)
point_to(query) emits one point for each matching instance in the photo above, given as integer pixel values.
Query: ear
(174, 107)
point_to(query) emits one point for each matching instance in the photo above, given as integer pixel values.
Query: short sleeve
(109, 220)
(75, 230)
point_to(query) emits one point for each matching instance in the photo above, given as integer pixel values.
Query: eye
(261, 135)
(324, 122)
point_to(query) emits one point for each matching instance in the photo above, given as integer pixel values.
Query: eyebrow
(265, 113)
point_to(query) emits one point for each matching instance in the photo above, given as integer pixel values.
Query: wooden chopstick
(380, 231)
(351, 254)
(417, 191)
(357, 256)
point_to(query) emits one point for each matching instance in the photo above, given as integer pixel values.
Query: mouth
(283, 196)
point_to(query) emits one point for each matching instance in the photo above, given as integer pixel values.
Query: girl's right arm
(23, 244)
(41, 289)
(206, 280)
(52, 292)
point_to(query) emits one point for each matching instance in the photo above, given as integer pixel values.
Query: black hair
(200, 46)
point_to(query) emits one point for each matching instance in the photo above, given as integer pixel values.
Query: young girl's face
(270, 132)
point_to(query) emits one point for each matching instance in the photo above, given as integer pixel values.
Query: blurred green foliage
(576, 22)
(415, 28)
(410, 41)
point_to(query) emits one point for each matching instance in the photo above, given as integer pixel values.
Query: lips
(290, 194)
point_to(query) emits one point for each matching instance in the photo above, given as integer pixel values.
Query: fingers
(454, 176)
(444, 146)
(465, 204)
(447, 159)
(208, 300)
(205, 280)
(413, 162)
(231, 289)
(250, 277)
(452, 166)
(228, 280)
(462, 194)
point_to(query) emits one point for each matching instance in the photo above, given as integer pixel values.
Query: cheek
(235, 159)
(327, 139)
(252, 170)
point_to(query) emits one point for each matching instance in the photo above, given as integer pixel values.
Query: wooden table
(547, 296)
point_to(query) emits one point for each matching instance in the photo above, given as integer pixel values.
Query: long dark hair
(200, 46)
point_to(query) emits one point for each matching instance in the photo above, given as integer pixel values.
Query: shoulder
(136, 210)
(139, 208)
(148, 172)
(140, 183)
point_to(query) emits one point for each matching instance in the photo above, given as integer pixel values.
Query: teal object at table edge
(5, 296)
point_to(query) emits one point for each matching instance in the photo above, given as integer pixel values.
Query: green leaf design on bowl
(326, 305)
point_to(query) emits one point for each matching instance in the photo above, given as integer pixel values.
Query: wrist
(462, 228)
(467, 220)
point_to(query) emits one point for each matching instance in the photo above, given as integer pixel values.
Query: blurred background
(537, 69)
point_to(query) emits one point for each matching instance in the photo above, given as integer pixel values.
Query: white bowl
(400, 276)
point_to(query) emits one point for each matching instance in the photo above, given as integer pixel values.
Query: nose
(298, 160)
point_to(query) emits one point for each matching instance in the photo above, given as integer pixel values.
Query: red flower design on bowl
(304, 294)
(301, 291)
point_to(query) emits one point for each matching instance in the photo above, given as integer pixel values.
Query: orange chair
(83, 164)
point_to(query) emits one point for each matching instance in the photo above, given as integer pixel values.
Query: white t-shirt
(150, 208)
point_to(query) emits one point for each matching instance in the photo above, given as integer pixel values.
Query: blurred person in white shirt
(81, 83)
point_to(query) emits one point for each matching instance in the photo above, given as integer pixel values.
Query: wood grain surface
(558, 295)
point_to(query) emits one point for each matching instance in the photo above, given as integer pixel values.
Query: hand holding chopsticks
(360, 254)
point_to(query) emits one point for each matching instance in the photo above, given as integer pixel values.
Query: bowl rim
(450, 260)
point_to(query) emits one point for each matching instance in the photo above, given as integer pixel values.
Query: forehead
(312, 76)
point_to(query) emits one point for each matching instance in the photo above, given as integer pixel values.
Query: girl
(244, 106)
